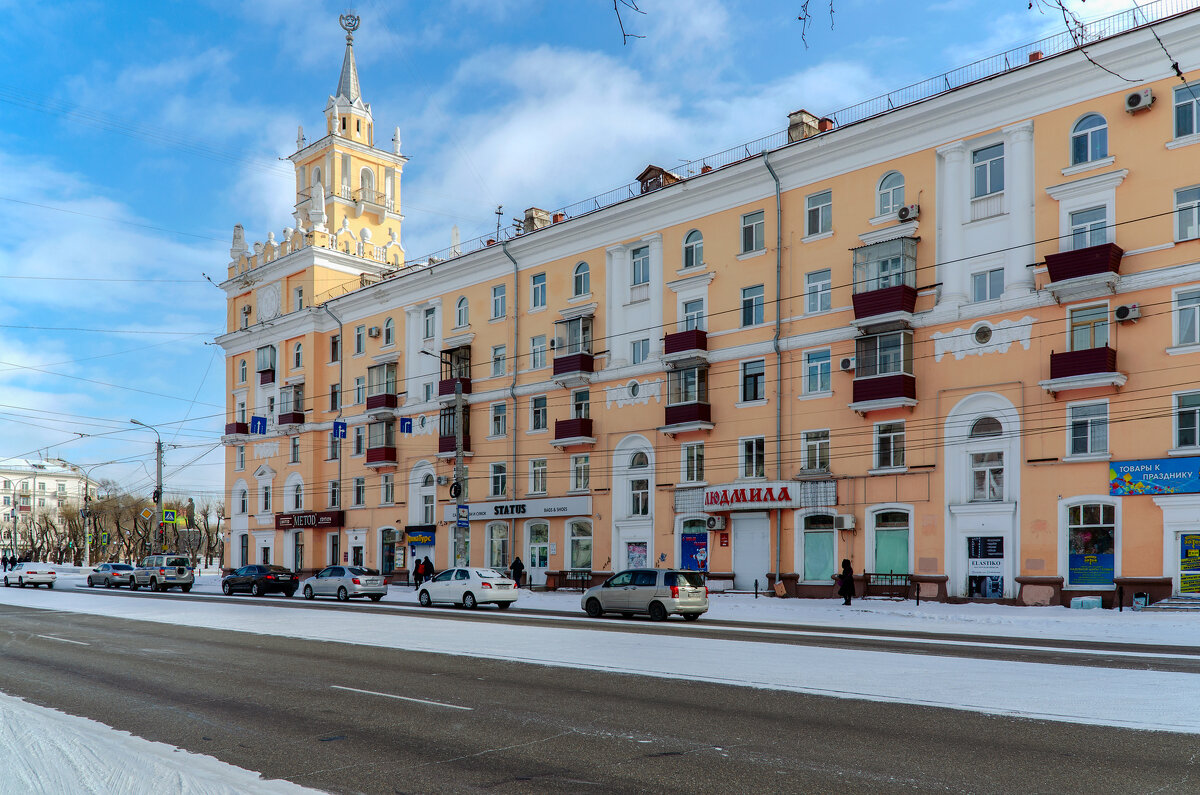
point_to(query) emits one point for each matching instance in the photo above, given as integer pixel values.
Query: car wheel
(50, 586)
(133, 584)
(375, 597)
(657, 611)
(5, 582)
(256, 589)
(593, 608)
(289, 593)
(422, 597)
(503, 605)
(21, 582)
(343, 594)
(691, 616)
(153, 584)
(469, 601)
(227, 589)
(90, 583)
(107, 583)
(185, 588)
(308, 594)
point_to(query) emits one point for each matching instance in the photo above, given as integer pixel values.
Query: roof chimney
(801, 125)
(536, 218)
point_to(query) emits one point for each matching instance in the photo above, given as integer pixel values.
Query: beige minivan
(656, 592)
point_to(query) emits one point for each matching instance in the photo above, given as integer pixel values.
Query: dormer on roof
(655, 177)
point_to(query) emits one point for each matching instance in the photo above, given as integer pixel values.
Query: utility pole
(158, 483)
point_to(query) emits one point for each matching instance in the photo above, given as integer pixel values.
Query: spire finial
(349, 22)
(348, 80)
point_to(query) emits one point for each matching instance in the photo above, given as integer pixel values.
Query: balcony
(686, 417)
(234, 428)
(446, 445)
(384, 402)
(574, 368)
(1085, 272)
(1089, 368)
(446, 387)
(291, 418)
(877, 393)
(381, 456)
(889, 303)
(885, 286)
(266, 376)
(685, 347)
(370, 200)
(573, 432)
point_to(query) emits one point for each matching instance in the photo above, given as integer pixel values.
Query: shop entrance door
(751, 551)
(1189, 564)
(537, 558)
(985, 567)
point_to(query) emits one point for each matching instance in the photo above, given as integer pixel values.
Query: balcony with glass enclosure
(456, 368)
(381, 444)
(885, 286)
(687, 401)
(883, 372)
(381, 388)
(573, 361)
(291, 405)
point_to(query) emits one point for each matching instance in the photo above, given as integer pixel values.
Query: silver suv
(655, 591)
(160, 572)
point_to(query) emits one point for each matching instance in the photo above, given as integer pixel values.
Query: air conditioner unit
(716, 523)
(373, 331)
(908, 212)
(1126, 312)
(843, 521)
(443, 480)
(246, 309)
(1138, 100)
(557, 343)
(846, 365)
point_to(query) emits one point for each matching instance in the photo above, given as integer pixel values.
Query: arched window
(428, 496)
(316, 177)
(366, 180)
(497, 545)
(891, 542)
(462, 312)
(583, 279)
(389, 331)
(297, 356)
(579, 540)
(1089, 139)
(693, 249)
(639, 486)
(985, 426)
(298, 497)
(243, 502)
(242, 371)
(891, 192)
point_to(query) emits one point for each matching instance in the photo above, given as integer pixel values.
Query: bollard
(1120, 598)
(756, 589)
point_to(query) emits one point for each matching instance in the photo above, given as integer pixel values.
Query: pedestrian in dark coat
(518, 569)
(418, 572)
(845, 581)
(4, 562)
(427, 570)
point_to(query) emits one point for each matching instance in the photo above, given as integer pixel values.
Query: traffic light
(157, 494)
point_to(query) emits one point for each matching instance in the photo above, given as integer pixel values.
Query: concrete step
(1176, 604)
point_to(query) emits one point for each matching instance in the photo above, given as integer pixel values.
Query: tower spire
(348, 80)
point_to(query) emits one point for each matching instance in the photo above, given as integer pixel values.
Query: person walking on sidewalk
(418, 572)
(845, 581)
(518, 569)
(427, 569)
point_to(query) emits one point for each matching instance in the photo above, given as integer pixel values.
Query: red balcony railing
(680, 341)
(1084, 362)
(900, 298)
(885, 387)
(291, 418)
(446, 443)
(385, 401)
(446, 386)
(236, 427)
(574, 363)
(688, 412)
(1088, 261)
(381, 455)
(580, 427)
(266, 376)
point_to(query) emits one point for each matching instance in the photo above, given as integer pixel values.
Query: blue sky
(133, 136)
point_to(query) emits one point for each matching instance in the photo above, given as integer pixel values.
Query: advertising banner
(693, 551)
(1090, 569)
(1154, 476)
(523, 509)
(317, 519)
(1189, 563)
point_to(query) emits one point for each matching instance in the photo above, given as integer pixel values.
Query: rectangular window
(1187, 318)
(752, 305)
(987, 285)
(499, 301)
(1088, 425)
(754, 457)
(987, 477)
(499, 359)
(537, 413)
(264, 358)
(1089, 228)
(687, 385)
(639, 351)
(639, 272)
(335, 395)
(892, 263)
(360, 340)
(576, 336)
(581, 404)
(298, 299)
(817, 372)
(295, 450)
(754, 380)
(387, 489)
(1091, 544)
(815, 449)
(335, 447)
(335, 348)
(360, 440)
(537, 292)
(1187, 214)
(241, 411)
(498, 480)
(818, 291)
(693, 462)
(639, 497)
(1089, 327)
(381, 434)
(693, 315)
(883, 354)
(499, 419)
(381, 380)
(889, 445)
(581, 472)
(360, 390)
(1187, 420)
(753, 232)
(427, 391)
(818, 218)
(428, 322)
(270, 408)
(264, 499)
(819, 548)
(360, 491)
(537, 352)
(240, 462)
(988, 168)
(1187, 111)
(291, 399)
(537, 476)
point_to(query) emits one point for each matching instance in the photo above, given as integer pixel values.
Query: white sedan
(34, 574)
(469, 588)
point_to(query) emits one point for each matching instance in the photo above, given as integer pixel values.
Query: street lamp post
(158, 484)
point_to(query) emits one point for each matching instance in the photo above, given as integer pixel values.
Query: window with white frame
(298, 497)
(818, 291)
(818, 216)
(462, 312)
(693, 249)
(883, 354)
(1091, 543)
(987, 167)
(497, 545)
(1089, 139)
(581, 280)
(381, 380)
(428, 499)
(264, 498)
(242, 371)
(1187, 317)
(360, 492)
(753, 458)
(639, 485)
(754, 380)
(687, 385)
(1187, 420)
(387, 489)
(360, 439)
(581, 472)
(576, 334)
(297, 298)
(817, 372)
(891, 193)
(580, 541)
(241, 411)
(1088, 428)
(639, 351)
(537, 352)
(499, 301)
(693, 462)
(335, 347)
(243, 501)
(499, 359)
(427, 391)
(892, 532)
(1187, 111)
(240, 461)
(264, 358)
(1187, 213)
(1089, 327)
(815, 450)
(335, 448)
(537, 413)
(987, 477)
(360, 390)
(753, 232)
(889, 445)
(428, 322)
(1089, 228)
(335, 397)
(389, 332)
(987, 285)
(360, 340)
(499, 419)
(639, 268)
(295, 458)
(537, 291)
(498, 480)
(538, 475)
(819, 548)
(335, 494)
(753, 301)
(693, 315)
(890, 263)
(581, 404)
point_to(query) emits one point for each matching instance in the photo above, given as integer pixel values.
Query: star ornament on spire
(349, 22)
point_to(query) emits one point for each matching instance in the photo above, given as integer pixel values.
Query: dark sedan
(260, 579)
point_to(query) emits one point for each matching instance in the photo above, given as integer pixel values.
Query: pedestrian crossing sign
(168, 516)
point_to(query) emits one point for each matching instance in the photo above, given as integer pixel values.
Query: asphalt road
(362, 719)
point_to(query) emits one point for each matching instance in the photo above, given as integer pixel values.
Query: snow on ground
(44, 750)
(1133, 698)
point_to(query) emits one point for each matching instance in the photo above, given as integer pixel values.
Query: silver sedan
(346, 582)
(110, 575)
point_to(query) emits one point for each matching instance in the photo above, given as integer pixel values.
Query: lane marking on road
(402, 698)
(63, 640)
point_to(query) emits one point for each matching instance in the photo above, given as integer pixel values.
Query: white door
(537, 553)
(750, 536)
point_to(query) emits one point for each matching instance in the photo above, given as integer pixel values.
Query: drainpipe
(778, 362)
(512, 387)
(341, 400)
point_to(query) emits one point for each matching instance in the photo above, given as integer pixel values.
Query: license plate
(503, 587)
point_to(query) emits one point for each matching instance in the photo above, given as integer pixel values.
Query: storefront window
(581, 545)
(393, 552)
(1091, 537)
(818, 548)
(693, 546)
(497, 541)
(891, 542)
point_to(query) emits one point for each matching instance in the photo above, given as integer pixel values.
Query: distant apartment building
(34, 492)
